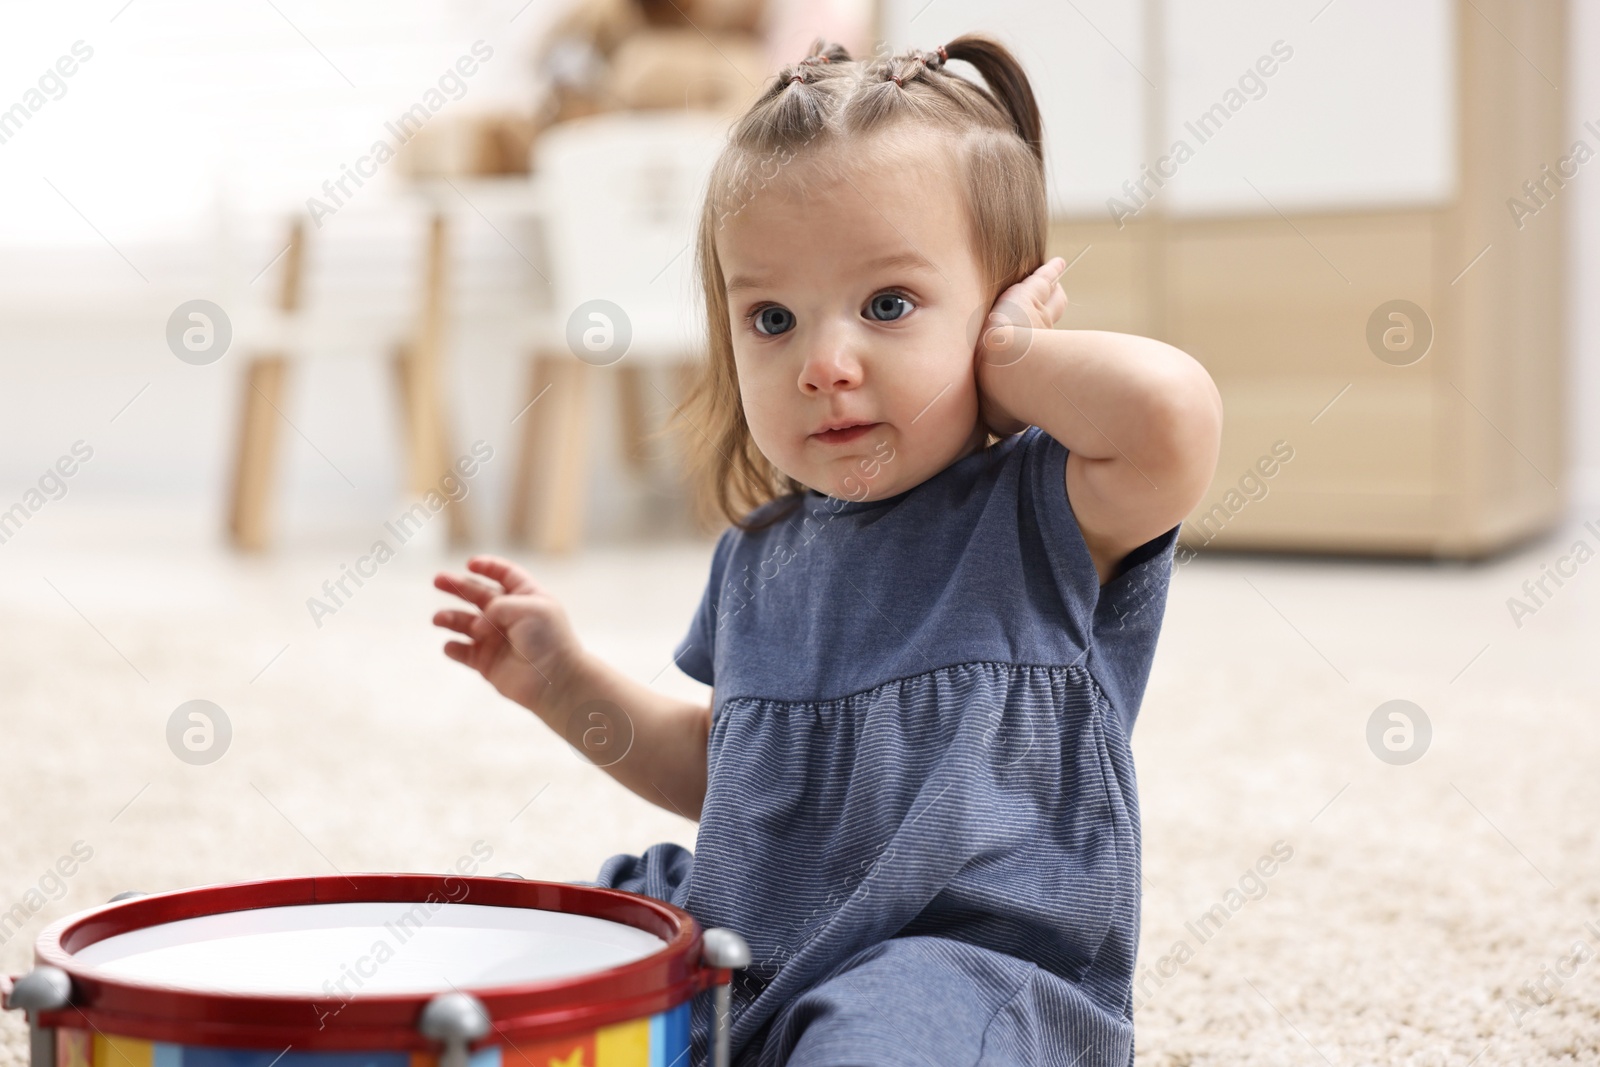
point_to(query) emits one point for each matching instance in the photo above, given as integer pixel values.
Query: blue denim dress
(920, 807)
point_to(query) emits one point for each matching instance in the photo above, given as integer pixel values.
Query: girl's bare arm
(652, 743)
(519, 639)
(1140, 419)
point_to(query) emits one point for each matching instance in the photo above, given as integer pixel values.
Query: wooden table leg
(255, 455)
(256, 449)
(549, 493)
(422, 365)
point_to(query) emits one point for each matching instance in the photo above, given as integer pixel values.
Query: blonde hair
(828, 101)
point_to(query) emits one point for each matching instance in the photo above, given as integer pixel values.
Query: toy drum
(376, 970)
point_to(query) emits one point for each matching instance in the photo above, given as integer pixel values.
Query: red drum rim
(531, 1011)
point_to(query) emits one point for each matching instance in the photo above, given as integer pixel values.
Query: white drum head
(346, 950)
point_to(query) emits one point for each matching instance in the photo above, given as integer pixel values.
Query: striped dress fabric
(921, 809)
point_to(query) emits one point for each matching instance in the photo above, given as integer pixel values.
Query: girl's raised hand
(1037, 302)
(519, 636)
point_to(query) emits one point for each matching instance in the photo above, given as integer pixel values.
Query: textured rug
(1308, 898)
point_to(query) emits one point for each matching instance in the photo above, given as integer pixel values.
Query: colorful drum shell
(662, 1040)
(632, 1015)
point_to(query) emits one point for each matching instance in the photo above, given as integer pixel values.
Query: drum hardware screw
(455, 1020)
(721, 947)
(45, 988)
(127, 894)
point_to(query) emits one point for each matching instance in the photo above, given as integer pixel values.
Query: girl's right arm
(522, 643)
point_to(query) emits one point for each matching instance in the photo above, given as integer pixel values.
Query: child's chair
(622, 194)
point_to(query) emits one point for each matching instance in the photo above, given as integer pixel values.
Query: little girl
(927, 633)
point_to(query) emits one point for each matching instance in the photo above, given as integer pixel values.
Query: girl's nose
(829, 365)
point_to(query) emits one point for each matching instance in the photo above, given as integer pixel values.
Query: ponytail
(1007, 83)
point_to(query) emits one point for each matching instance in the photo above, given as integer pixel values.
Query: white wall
(68, 363)
(187, 122)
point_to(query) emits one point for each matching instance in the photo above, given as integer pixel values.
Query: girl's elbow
(1191, 437)
(1191, 410)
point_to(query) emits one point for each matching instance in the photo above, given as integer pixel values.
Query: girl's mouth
(839, 437)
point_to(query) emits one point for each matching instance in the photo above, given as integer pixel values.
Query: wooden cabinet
(1383, 160)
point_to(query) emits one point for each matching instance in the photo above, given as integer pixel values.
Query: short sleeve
(696, 653)
(1043, 503)
(1045, 463)
(1124, 615)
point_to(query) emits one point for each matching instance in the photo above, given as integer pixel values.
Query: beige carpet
(1415, 906)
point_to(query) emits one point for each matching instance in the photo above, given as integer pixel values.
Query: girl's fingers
(475, 626)
(458, 651)
(459, 621)
(1048, 275)
(508, 574)
(466, 587)
(484, 631)
(1058, 304)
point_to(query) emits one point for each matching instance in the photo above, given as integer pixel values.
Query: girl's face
(856, 303)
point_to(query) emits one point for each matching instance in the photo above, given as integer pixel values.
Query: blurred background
(281, 282)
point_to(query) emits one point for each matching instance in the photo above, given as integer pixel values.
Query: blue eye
(887, 307)
(772, 319)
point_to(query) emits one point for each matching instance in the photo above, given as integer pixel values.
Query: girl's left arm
(1140, 419)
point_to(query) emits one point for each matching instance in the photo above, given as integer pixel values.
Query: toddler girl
(927, 633)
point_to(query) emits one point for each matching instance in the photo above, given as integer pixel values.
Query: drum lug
(724, 948)
(44, 988)
(127, 894)
(455, 1020)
